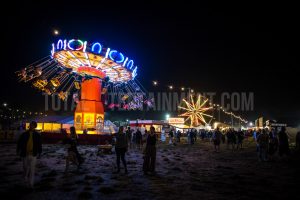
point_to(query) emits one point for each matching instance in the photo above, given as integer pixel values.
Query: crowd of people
(268, 143)
(29, 148)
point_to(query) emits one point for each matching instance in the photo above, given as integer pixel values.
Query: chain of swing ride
(50, 77)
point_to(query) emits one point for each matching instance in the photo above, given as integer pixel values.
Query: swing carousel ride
(89, 72)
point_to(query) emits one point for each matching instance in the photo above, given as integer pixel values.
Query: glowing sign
(75, 53)
(65, 44)
(84, 46)
(75, 45)
(125, 61)
(177, 120)
(59, 44)
(107, 52)
(53, 49)
(95, 45)
(129, 64)
(113, 55)
(134, 73)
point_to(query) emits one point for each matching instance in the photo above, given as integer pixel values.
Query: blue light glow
(59, 44)
(118, 54)
(84, 46)
(77, 49)
(130, 64)
(113, 62)
(107, 52)
(124, 63)
(95, 45)
(53, 49)
(134, 72)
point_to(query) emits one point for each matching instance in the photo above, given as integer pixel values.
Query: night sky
(243, 48)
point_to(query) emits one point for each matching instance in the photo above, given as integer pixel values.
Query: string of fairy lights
(8, 113)
(215, 106)
(14, 114)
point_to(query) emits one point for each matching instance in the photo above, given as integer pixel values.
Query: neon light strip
(107, 52)
(65, 44)
(86, 56)
(59, 44)
(53, 49)
(134, 72)
(107, 70)
(125, 61)
(131, 61)
(100, 47)
(98, 66)
(84, 46)
(78, 49)
(117, 61)
(104, 58)
(63, 58)
(67, 61)
(73, 64)
(75, 58)
(100, 62)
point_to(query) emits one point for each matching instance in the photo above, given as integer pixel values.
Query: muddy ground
(183, 172)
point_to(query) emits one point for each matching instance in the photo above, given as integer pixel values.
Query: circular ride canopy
(94, 60)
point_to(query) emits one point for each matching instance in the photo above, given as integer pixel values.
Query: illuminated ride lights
(194, 110)
(92, 69)
(76, 53)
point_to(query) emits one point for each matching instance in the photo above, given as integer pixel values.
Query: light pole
(219, 114)
(167, 116)
(231, 120)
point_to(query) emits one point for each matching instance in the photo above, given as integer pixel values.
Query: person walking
(150, 152)
(178, 135)
(121, 148)
(29, 147)
(171, 135)
(284, 148)
(138, 138)
(133, 139)
(129, 137)
(196, 135)
(74, 138)
(240, 139)
(273, 144)
(263, 141)
(298, 141)
(217, 136)
(223, 137)
(256, 134)
(73, 155)
(163, 136)
(202, 135)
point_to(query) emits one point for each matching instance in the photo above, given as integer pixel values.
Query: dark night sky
(249, 48)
